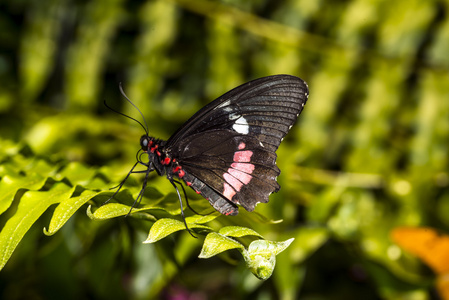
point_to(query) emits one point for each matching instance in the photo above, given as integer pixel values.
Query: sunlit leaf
(66, 209)
(199, 219)
(215, 243)
(114, 210)
(261, 256)
(77, 173)
(32, 205)
(237, 231)
(263, 246)
(164, 227)
(41, 167)
(11, 184)
(111, 210)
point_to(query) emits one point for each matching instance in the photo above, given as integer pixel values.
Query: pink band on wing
(236, 184)
(241, 176)
(243, 156)
(228, 191)
(247, 168)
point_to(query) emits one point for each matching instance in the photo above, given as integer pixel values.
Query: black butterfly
(227, 150)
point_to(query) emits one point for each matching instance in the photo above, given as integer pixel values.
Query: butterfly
(227, 150)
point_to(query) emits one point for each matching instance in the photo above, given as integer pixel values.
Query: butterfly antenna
(143, 118)
(117, 112)
(182, 209)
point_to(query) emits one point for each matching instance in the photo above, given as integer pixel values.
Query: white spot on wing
(226, 103)
(225, 106)
(241, 126)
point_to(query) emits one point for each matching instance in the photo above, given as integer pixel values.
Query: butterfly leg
(121, 183)
(182, 209)
(144, 185)
(187, 199)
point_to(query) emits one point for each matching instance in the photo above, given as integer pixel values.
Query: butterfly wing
(235, 166)
(269, 105)
(230, 144)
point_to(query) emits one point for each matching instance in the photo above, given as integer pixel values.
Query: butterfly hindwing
(234, 165)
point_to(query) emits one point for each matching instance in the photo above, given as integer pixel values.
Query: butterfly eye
(144, 142)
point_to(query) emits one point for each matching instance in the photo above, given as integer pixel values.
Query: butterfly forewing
(229, 145)
(262, 102)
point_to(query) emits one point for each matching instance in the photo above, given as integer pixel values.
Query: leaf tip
(47, 233)
(89, 212)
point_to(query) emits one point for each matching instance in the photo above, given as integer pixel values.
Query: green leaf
(41, 167)
(261, 256)
(111, 210)
(216, 243)
(77, 173)
(199, 219)
(8, 148)
(238, 231)
(114, 210)
(264, 246)
(66, 209)
(11, 184)
(164, 227)
(31, 207)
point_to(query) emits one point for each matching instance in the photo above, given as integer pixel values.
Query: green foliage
(369, 152)
(67, 187)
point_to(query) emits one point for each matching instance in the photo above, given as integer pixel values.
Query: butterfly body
(226, 151)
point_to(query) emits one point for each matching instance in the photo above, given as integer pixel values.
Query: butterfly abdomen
(222, 205)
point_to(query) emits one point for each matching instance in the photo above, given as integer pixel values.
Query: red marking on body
(242, 146)
(176, 169)
(243, 156)
(166, 161)
(247, 168)
(181, 173)
(198, 192)
(228, 191)
(158, 153)
(154, 148)
(236, 184)
(174, 160)
(188, 183)
(150, 144)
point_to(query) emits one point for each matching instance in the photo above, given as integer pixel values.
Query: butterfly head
(153, 147)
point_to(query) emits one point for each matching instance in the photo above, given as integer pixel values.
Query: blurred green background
(369, 152)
